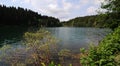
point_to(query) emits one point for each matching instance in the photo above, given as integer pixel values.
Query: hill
(86, 21)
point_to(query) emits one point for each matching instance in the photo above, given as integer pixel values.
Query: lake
(72, 38)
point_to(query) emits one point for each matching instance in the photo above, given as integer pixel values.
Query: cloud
(91, 10)
(62, 9)
(98, 2)
(52, 8)
(13, 1)
(66, 5)
(84, 2)
(27, 1)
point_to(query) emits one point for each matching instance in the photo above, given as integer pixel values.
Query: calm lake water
(73, 38)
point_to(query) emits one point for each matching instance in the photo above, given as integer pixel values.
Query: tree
(112, 15)
(13, 16)
(86, 21)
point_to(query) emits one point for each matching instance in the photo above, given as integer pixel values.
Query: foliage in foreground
(37, 48)
(107, 53)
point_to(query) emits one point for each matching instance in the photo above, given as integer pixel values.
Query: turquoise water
(73, 38)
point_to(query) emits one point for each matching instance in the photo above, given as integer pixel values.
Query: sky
(62, 9)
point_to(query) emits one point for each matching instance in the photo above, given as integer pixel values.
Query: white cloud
(44, 5)
(66, 5)
(98, 2)
(91, 10)
(51, 8)
(27, 1)
(84, 2)
(13, 0)
(63, 11)
(81, 3)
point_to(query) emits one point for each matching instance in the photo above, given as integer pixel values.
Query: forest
(101, 21)
(87, 21)
(109, 19)
(17, 16)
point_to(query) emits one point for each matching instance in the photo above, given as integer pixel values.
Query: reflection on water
(69, 37)
(11, 34)
(75, 38)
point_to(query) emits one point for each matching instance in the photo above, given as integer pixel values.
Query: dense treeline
(101, 20)
(110, 18)
(15, 21)
(24, 17)
(87, 21)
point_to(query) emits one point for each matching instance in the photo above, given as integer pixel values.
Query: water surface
(74, 38)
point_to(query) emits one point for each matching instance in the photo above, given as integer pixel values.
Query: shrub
(105, 53)
(38, 48)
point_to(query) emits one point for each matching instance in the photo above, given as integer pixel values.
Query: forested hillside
(87, 21)
(109, 19)
(100, 21)
(24, 17)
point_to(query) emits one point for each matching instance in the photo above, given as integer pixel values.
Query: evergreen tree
(13, 16)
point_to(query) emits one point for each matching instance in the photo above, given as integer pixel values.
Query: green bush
(38, 48)
(105, 53)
